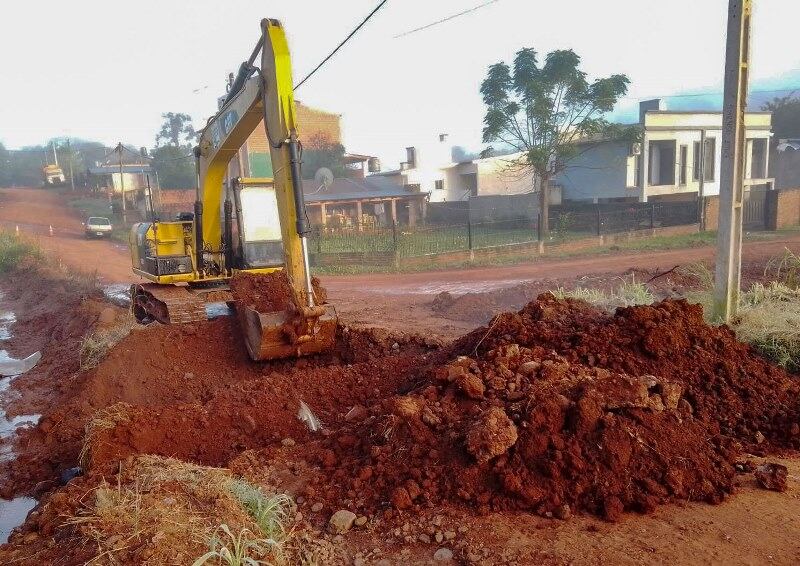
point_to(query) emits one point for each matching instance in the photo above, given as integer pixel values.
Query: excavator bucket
(287, 334)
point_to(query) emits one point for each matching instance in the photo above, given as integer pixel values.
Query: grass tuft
(15, 252)
(96, 345)
(104, 419)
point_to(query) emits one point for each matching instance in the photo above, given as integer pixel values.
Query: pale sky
(89, 69)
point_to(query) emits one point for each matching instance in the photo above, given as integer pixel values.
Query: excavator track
(168, 304)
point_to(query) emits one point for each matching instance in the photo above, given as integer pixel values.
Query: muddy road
(388, 300)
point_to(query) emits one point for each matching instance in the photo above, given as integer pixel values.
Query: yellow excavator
(257, 226)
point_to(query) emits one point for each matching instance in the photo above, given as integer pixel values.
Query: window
(758, 159)
(709, 160)
(412, 187)
(438, 184)
(633, 170)
(662, 162)
(682, 164)
(696, 162)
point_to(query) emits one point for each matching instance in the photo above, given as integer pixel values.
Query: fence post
(396, 260)
(599, 223)
(652, 216)
(469, 238)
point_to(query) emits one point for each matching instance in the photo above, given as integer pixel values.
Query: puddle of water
(13, 513)
(456, 288)
(7, 318)
(118, 293)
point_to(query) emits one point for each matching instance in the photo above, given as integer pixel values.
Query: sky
(93, 70)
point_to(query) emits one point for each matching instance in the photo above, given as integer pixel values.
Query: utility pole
(122, 185)
(728, 272)
(55, 156)
(70, 157)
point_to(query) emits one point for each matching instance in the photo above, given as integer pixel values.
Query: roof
(126, 168)
(355, 189)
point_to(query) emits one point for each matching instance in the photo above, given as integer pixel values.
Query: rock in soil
(772, 476)
(341, 521)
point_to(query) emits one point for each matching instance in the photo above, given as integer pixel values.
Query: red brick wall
(310, 123)
(788, 213)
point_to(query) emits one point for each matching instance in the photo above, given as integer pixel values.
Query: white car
(97, 227)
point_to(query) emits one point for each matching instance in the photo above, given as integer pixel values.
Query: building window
(438, 184)
(709, 161)
(682, 164)
(758, 158)
(662, 162)
(633, 170)
(412, 187)
(696, 162)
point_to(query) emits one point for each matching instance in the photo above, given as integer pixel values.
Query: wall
(600, 172)
(311, 123)
(788, 209)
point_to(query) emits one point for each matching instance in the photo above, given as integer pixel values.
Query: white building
(431, 168)
(678, 159)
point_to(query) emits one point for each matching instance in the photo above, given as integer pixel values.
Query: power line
(699, 94)
(447, 19)
(345, 40)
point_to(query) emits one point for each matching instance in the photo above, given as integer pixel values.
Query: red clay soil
(269, 292)
(53, 316)
(557, 408)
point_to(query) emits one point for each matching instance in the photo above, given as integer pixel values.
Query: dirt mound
(471, 307)
(269, 292)
(561, 407)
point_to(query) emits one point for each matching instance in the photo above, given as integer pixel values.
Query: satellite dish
(323, 178)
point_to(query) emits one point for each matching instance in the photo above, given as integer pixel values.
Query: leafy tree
(175, 167)
(785, 117)
(5, 166)
(542, 110)
(320, 151)
(176, 130)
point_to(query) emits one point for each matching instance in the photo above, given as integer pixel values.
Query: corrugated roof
(354, 189)
(126, 168)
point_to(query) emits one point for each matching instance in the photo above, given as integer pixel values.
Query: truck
(53, 176)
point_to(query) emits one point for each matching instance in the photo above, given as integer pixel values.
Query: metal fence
(354, 244)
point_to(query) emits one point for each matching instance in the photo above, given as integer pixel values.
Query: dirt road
(404, 297)
(34, 211)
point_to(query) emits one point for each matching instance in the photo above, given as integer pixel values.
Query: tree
(320, 151)
(541, 111)
(177, 130)
(5, 166)
(175, 167)
(172, 156)
(785, 117)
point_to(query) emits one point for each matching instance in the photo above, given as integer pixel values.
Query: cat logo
(229, 121)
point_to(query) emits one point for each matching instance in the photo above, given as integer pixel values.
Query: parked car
(97, 227)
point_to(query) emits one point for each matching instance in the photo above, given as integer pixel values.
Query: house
(363, 202)
(678, 158)
(133, 179)
(785, 163)
(448, 175)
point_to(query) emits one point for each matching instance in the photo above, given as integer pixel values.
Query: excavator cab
(256, 224)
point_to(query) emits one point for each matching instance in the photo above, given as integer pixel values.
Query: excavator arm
(256, 94)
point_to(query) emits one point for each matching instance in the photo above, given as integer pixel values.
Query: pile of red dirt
(561, 407)
(556, 408)
(269, 292)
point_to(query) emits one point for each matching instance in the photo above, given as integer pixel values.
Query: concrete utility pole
(71, 176)
(122, 185)
(728, 272)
